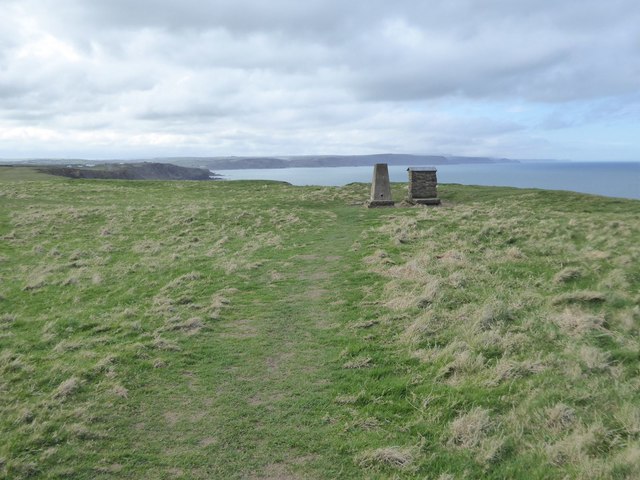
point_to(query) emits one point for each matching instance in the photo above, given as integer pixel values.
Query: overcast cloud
(143, 78)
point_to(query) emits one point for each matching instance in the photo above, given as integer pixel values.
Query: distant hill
(132, 171)
(231, 163)
(296, 161)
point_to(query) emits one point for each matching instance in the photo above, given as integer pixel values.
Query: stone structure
(423, 186)
(380, 187)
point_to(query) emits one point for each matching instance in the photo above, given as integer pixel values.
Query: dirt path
(253, 399)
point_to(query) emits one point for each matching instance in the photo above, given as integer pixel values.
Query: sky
(525, 79)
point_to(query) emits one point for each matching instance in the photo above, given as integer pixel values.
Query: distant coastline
(271, 162)
(324, 161)
(129, 171)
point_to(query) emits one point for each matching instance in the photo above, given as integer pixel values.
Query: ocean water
(612, 179)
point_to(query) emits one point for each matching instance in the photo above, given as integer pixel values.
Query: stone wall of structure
(422, 184)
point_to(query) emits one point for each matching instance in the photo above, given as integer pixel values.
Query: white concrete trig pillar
(380, 187)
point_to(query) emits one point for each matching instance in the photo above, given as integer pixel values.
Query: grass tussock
(35, 281)
(423, 327)
(582, 445)
(507, 370)
(359, 362)
(567, 274)
(574, 321)
(593, 359)
(190, 326)
(120, 391)
(560, 417)
(391, 457)
(579, 297)
(469, 429)
(67, 388)
(165, 344)
(349, 399)
(464, 363)
(495, 313)
(7, 320)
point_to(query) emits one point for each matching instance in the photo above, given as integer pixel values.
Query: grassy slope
(258, 330)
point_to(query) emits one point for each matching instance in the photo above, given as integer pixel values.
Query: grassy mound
(259, 330)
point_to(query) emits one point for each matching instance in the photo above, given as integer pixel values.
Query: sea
(611, 179)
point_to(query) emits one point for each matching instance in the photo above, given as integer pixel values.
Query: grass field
(263, 331)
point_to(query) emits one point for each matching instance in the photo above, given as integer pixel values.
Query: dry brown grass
(471, 428)
(574, 321)
(507, 342)
(6, 320)
(120, 391)
(490, 450)
(402, 295)
(106, 363)
(446, 476)
(596, 255)
(349, 399)
(36, 281)
(394, 457)
(366, 324)
(275, 276)
(581, 446)
(560, 416)
(593, 359)
(83, 432)
(11, 362)
(165, 344)
(147, 247)
(628, 416)
(416, 269)
(358, 362)
(182, 280)
(495, 313)
(158, 363)
(378, 258)
(567, 274)
(369, 424)
(68, 346)
(67, 388)
(454, 259)
(423, 326)
(514, 253)
(507, 369)
(615, 280)
(190, 326)
(580, 296)
(401, 229)
(464, 363)
(458, 279)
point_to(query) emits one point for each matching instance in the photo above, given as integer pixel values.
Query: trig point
(423, 186)
(380, 187)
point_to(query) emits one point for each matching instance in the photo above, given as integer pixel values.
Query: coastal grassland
(258, 330)
(521, 311)
(14, 173)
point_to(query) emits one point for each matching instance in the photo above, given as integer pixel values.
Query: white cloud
(149, 77)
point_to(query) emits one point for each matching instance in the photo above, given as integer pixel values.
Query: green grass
(259, 330)
(13, 173)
